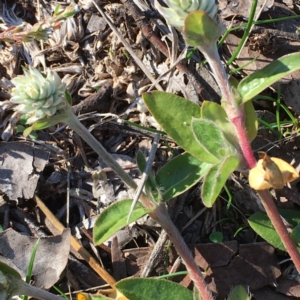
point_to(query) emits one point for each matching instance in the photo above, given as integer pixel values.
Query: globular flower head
(178, 10)
(39, 97)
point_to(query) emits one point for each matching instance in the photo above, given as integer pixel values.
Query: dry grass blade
(77, 247)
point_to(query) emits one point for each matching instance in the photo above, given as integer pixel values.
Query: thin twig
(145, 174)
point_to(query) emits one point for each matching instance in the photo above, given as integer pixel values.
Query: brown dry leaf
(289, 287)
(20, 166)
(50, 260)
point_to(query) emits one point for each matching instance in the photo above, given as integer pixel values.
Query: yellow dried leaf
(271, 172)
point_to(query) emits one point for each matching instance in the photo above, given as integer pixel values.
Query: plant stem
(234, 110)
(279, 226)
(160, 214)
(236, 115)
(32, 291)
(77, 126)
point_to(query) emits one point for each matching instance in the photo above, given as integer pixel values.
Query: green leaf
(262, 225)
(216, 237)
(20, 128)
(295, 235)
(179, 174)
(213, 111)
(255, 83)
(200, 29)
(251, 122)
(23, 119)
(215, 179)
(27, 131)
(175, 115)
(4, 268)
(153, 289)
(239, 293)
(211, 138)
(141, 161)
(196, 294)
(50, 121)
(114, 218)
(33, 135)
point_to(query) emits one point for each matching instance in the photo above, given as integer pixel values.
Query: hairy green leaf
(114, 218)
(215, 179)
(179, 174)
(200, 29)
(211, 138)
(175, 115)
(215, 112)
(153, 289)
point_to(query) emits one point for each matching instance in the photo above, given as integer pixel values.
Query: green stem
(35, 292)
(77, 126)
(159, 213)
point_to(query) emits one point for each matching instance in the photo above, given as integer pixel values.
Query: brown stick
(76, 245)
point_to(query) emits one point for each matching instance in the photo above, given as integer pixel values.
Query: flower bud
(178, 10)
(38, 96)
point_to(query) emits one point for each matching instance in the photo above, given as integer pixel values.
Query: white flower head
(178, 10)
(38, 96)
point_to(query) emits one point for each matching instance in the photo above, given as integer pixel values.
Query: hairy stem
(279, 226)
(236, 115)
(235, 111)
(160, 214)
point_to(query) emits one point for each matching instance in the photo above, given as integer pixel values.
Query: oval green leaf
(262, 225)
(175, 115)
(211, 138)
(255, 83)
(216, 237)
(213, 111)
(153, 289)
(114, 218)
(200, 29)
(179, 174)
(215, 179)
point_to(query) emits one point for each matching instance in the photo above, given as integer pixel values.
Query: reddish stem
(236, 115)
(239, 124)
(160, 214)
(279, 226)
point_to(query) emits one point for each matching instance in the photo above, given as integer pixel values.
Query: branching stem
(236, 115)
(159, 213)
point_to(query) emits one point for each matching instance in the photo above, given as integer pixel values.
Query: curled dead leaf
(271, 172)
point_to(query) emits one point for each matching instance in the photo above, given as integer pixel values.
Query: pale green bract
(38, 96)
(178, 10)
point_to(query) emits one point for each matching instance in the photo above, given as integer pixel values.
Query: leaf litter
(104, 79)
